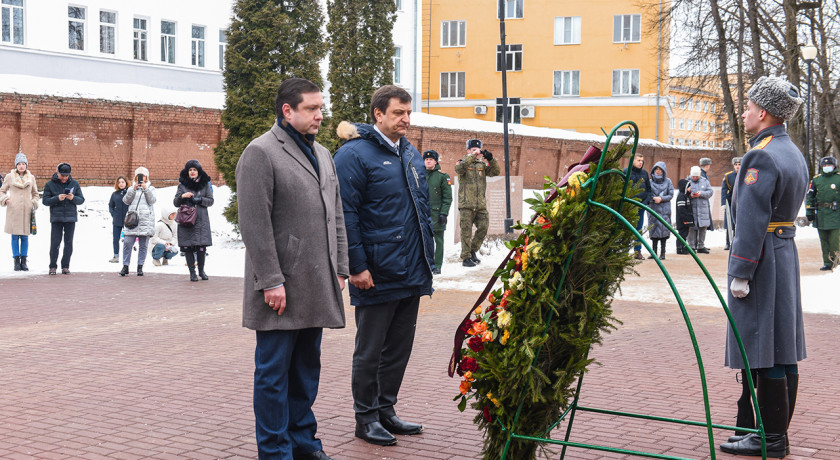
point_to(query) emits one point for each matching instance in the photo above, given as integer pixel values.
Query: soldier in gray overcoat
(764, 291)
(296, 264)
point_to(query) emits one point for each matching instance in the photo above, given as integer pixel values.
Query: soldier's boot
(475, 259)
(746, 415)
(773, 404)
(793, 389)
(17, 263)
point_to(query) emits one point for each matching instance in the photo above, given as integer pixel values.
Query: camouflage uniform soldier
(440, 198)
(472, 171)
(823, 208)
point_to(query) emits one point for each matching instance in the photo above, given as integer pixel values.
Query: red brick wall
(105, 139)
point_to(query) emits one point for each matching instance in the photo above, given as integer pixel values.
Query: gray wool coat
(664, 189)
(292, 224)
(771, 186)
(199, 234)
(144, 203)
(701, 206)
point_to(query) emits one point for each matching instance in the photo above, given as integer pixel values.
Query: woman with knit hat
(195, 190)
(140, 198)
(19, 194)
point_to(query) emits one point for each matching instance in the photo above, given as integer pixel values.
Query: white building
(408, 49)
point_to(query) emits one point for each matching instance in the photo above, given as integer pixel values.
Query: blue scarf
(304, 141)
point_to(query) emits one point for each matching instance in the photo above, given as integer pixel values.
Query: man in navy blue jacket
(391, 248)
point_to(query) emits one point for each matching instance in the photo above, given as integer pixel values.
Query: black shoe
(124, 270)
(750, 446)
(139, 270)
(650, 256)
(375, 433)
(317, 455)
(662, 257)
(193, 276)
(826, 268)
(703, 251)
(726, 248)
(17, 263)
(397, 426)
(65, 271)
(468, 262)
(52, 270)
(203, 275)
(23, 265)
(436, 271)
(475, 259)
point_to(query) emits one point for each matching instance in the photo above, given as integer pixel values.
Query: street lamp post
(809, 53)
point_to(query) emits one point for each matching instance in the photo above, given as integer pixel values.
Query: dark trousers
(59, 230)
(116, 239)
(286, 375)
(384, 338)
(438, 248)
(639, 226)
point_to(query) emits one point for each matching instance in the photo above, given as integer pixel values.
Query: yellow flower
(468, 376)
(465, 387)
(503, 319)
(517, 281)
(494, 400)
(505, 337)
(555, 208)
(576, 181)
(534, 249)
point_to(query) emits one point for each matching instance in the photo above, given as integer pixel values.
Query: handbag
(186, 215)
(33, 227)
(132, 219)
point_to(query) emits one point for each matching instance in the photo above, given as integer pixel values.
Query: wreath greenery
(513, 354)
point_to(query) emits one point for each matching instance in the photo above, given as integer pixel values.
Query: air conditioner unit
(480, 109)
(526, 111)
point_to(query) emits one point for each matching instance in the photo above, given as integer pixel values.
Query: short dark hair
(291, 92)
(382, 98)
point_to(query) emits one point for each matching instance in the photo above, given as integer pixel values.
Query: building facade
(569, 65)
(698, 113)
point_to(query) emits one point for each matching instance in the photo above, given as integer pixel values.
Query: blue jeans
(116, 239)
(20, 245)
(639, 226)
(160, 251)
(286, 375)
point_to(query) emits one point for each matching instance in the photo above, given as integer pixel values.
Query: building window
(682, 123)
(513, 57)
(712, 107)
(222, 49)
(451, 85)
(514, 107)
(627, 28)
(107, 32)
(399, 5)
(691, 125)
(690, 104)
(513, 9)
(140, 39)
(711, 126)
(397, 64)
(706, 106)
(453, 33)
(673, 124)
(682, 103)
(625, 82)
(167, 41)
(566, 83)
(76, 27)
(198, 46)
(12, 14)
(567, 30)
(705, 126)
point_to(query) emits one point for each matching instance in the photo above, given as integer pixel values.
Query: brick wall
(105, 139)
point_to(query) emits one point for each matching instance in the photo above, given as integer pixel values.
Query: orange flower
(480, 327)
(477, 310)
(465, 387)
(491, 298)
(468, 376)
(543, 222)
(486, 336)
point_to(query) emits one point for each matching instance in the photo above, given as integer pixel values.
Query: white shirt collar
(395, 146)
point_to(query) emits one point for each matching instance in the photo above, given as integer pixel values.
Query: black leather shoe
(825, 268)
(436, 271)
(468, 262)
(474, 258)
(317, 455)
(124, 270)
(703, 251)
(375, 433)
(737, 437)
(751, 446)
(726, 248)
(397, 426)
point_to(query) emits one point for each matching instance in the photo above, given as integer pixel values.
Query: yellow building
(572, 64)
(698, 119)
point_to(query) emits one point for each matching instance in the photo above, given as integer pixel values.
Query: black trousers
(59, 230)
(384, 338)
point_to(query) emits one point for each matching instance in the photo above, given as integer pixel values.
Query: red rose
(468, 365)
(475, 344)
(466, 325)
(486, 412)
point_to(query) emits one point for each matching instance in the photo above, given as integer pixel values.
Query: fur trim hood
(347, 130)
(194, 184)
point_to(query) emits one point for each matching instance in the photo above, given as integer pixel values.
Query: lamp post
(508, 219)
(809, 53)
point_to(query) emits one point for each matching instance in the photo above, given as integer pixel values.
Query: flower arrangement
(525, 347)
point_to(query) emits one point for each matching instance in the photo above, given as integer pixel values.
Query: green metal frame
(592, 183)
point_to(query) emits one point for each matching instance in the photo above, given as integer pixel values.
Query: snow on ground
(92, 249)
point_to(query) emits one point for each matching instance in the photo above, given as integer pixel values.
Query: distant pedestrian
(727, 192)
(62, 194)
(141, 199)
(823, 208)
(165, 240)
(117, 208)
(473, 170)
(700, 191)
(440, 198)
(705, 166)
(19, 194)
(640, 178)
(661, 192)
(194, 189)
(685, 216)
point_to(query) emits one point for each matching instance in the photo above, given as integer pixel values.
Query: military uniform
(472, 204)
(440, 197)
(727, 189)
(823, 208)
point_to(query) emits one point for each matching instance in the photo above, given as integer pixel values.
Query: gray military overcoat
(770, 188)
(292, 224)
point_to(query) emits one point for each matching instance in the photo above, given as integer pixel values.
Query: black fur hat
(197, 183)
(431, 154)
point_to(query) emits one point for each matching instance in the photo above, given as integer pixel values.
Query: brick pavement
(94, 366)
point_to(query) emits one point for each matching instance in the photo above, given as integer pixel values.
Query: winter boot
(115, 259)
(17, 263)
(746, 416)
(475, 259)
(156, 262)
(773, 404)
(164, 261)
(23, 265)
(190, 256)
(468, 262)
(139, 270)
(639, 255)
(200, 256)
(793, 388)
(662, 251)
(193, 276)
(653, 246)
(124, 270)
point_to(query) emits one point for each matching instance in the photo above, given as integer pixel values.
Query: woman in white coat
(140, 198)
(19, 194)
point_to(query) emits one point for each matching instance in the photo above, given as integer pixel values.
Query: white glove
(739, 287)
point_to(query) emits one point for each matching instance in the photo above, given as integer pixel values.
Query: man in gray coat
(764, 291)
(292, 224)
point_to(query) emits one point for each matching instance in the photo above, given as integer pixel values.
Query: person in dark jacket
(118, 209)
(765, 297)
(194, 189)
(685, 217)
(62, 194)
(661, 192)
(727, 190)
(640, 178)
(389, 235)
(440, 197)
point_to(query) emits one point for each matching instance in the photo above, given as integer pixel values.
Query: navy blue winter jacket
(117, 208)
(62, 210)
(387, 216)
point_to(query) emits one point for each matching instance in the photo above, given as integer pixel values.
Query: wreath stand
(570, 412)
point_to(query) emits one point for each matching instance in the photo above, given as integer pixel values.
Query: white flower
(517, 281)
